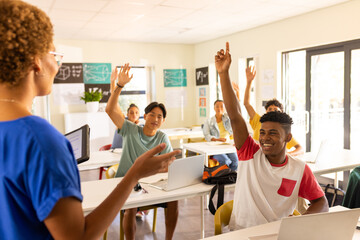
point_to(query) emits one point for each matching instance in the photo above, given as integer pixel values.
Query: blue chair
(117, 140)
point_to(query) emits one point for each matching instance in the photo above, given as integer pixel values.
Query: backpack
(335, 196)
(219, 175)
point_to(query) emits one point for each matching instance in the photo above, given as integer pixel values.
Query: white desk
(208, 148)
(94, 192)
(264, 229)
(339, 161)
(183, 133)
(101, 159)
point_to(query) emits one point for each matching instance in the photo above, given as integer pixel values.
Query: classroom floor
(188, 226)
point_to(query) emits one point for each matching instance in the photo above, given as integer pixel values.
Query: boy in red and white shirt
(269, 181)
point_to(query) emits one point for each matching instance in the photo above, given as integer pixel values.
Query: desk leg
(336, 183)
(202, 227)
(183, 152)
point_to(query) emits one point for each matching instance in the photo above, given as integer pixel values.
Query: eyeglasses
(58, 57)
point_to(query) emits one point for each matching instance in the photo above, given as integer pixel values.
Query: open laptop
(330, 226)
(80, 143)
(323, 153)
(182, 172)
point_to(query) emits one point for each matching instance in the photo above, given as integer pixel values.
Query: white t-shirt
(267, 192)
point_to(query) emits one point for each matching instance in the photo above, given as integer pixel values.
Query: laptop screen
(79, 140)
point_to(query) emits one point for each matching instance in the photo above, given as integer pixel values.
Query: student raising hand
(223, 60)
(123, 76)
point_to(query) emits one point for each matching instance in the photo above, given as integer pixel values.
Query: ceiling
(167, 21)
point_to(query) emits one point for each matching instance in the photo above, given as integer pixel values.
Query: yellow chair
(110, 173)
(223, 214)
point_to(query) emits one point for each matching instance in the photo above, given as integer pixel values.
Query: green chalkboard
(174, 77)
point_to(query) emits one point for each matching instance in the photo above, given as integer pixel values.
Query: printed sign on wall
(70, 73)
(202, 112)
(105, 89)
(202, 102)
(202, 92)
(97, 73)
(175, 78)
(202, 76)
(73, 79)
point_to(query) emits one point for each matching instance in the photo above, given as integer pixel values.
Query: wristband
(117, 84)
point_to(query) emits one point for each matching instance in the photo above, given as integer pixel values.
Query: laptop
(182, 172)
(330, 226)
(323, 153)
(79, 140)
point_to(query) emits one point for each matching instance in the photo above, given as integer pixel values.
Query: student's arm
(222, 63)
(67, 221)
(297, 151)
(112, 108)
(318, 205)
(236, 89)
(250, 75)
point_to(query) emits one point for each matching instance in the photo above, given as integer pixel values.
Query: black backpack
(219, 175)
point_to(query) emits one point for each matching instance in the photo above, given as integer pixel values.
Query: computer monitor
(79, 139)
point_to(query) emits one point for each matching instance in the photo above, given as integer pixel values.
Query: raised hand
(250, 74)
(223, 59)
(148, 164)
(123, 76)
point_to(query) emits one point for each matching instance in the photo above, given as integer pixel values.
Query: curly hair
(283, 118)
(26, 32)
(274, 102)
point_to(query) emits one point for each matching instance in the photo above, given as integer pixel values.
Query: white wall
(160, 56)
(329, 25)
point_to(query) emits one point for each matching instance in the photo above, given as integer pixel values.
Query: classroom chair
(110, 173)
(103, 169)
(223, 214)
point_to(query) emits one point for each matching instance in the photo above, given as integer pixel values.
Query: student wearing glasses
(137, 140)
(40, 195)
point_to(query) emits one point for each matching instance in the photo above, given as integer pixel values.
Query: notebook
(79, 140)
(330, 226)
(182, 172)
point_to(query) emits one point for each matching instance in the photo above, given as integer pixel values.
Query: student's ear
(145, 116)
(288, 137)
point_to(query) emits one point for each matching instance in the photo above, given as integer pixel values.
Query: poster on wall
(70, 73)
(104, 88)
(202, 92)
(202, 112)
(97, 73)
(73, 79)
(202, 102)
(67, 93)
(175, 78)
(202, 76)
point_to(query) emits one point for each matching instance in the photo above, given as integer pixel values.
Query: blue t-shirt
(37, 168)
(135, 143)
